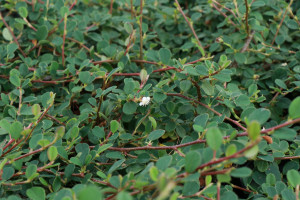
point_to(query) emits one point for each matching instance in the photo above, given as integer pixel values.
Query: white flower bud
(145, 101)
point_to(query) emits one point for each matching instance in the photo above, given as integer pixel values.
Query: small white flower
(284, 64)
(145, 101)
(263, 129)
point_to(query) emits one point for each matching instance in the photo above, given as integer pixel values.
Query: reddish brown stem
(209, 108)
(223, 171)
(141, 31)
(189, 24)
(235, 155)
(12, 34)
(247, 43)
(29, 135)
(62, 19)
(287, 158)
(54, 119)
(278, 28)
(218, 191)
(225, 8)
(222, 13)
(111, 6)
(174, 147)
(240, 188)
(9, 143)
(64, 40)
(246, 18)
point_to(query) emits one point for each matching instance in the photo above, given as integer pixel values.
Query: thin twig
(13, 35)
(246, 18)
(247, 43)
(141, 30)
(54, 119)
(174, 147)
(62, 19)
(240, 188)
(222, 13)
(64, 40)
(287, 158)
(111, 6)
(278, 28)
(209, 108)
(190, 25)
(225, 8)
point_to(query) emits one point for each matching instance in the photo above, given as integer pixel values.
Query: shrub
(149, 99)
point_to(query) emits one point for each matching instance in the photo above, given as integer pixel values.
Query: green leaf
(208, 88)
(280, 39)
(36, 110)
(159, 97)
(154, 135)
(242, 101)
(294, 108)
(115, 166)
(60, 131)
(123, 195)
(224, 178)
(164, 55)
(240, 58)
(6, 34)
(23, 12)
(128, 27)
(129, 86)
(163, 162)
(143, 76)
(190, 187)
(293, 177)
(15, 80)
(84, 77)
(103, 148)
(253, 130)
(30, 171)
(251, 153)
(15, 130)
(74, 132)
(64, 10)
(154, 173)
(7, 173)
(114, 126)
(153, 122)
(292, 24)
(52, 153)
(36, 193)
(214, 138)
(229, 195)
(230, 150)
(288, 194)
(5, 125)
(285, 134)
(242, 172)
(185, 85)
(271, 179)
(171, 106)
(11, 48)
(42, 33)
(261, 115)
(129, 107)
(192, 161)
(281, 83)
(90, 192)
(258, 4)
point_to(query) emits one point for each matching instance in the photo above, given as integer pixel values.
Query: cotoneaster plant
(149, 99)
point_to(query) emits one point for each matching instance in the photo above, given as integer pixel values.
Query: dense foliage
(153, 99)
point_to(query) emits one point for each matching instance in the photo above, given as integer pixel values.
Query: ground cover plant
(149, 99)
